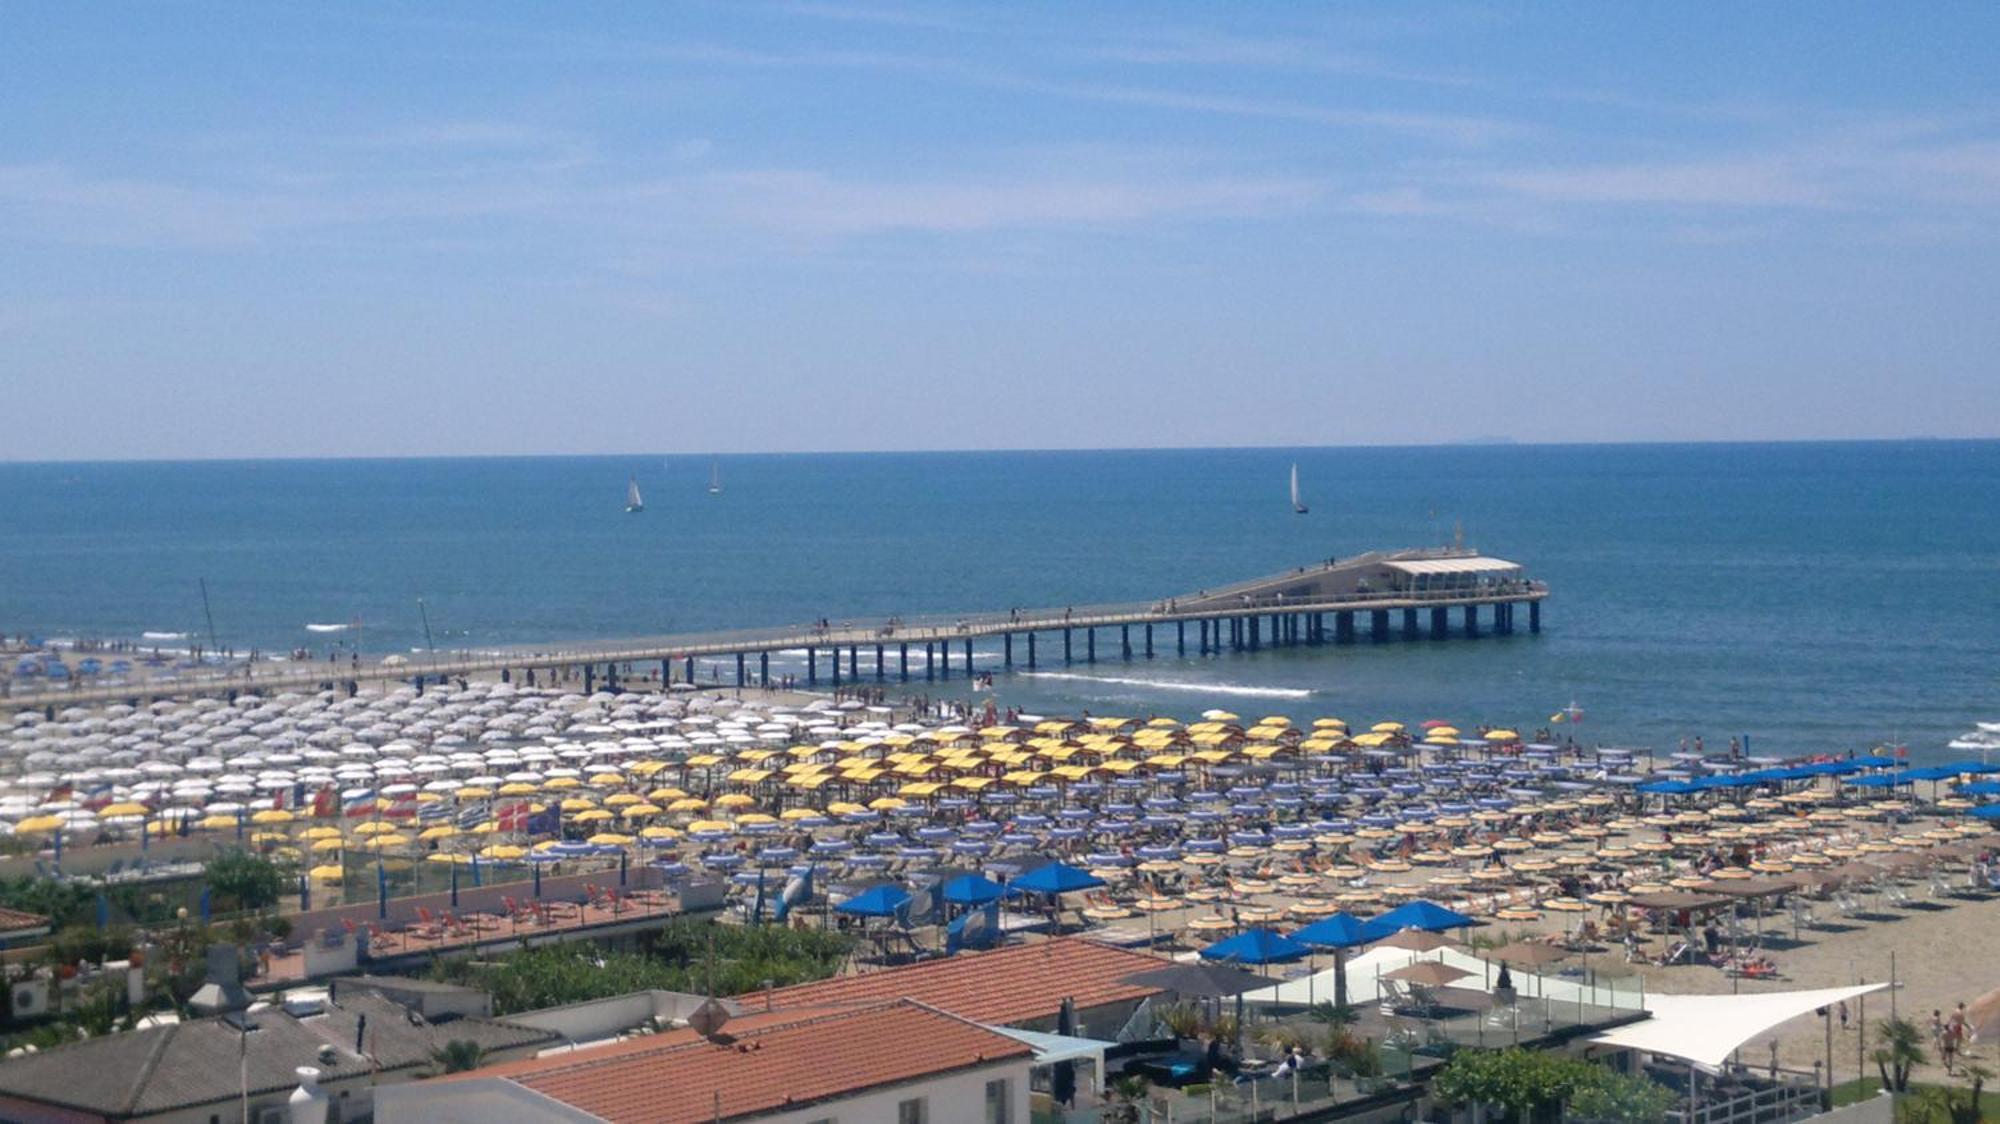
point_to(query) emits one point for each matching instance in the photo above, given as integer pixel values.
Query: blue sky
(260, 230)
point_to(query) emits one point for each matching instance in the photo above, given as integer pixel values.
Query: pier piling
(1440, 623)
(1378, 625)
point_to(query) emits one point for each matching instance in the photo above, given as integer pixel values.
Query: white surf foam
(163, 636)
(1180, 685)
(326, 628)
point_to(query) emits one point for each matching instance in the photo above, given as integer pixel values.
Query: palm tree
(457, 1056)
(1902, 1050)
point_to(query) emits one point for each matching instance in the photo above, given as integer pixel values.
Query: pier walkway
(1408, 594)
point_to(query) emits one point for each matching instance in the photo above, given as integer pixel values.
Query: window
(916, 1110)
(998, 1093)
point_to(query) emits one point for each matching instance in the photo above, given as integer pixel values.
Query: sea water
(1810, 596)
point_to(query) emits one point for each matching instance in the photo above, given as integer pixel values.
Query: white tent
(1706, 1029)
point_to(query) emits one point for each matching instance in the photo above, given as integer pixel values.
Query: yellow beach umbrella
(448, 858)
(503, 852)
(736, 800)
(517, 788)
(327, 846)
(128, 808)
(658, 832)
(441, 831)
(620, 799)
(271, 815)
(320, 833)
(639, 810)
(328, 873)
(723, 826)
(593, 815)
(375, 827)
(688, 804)
(611, 839)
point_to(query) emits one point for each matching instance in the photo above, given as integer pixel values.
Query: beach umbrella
(1257, 946)
(1422, 914)
(971, 889)
(880, 901)
(1339, 932)
(1055, 878)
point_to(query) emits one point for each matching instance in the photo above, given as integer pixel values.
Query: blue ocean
(1812, 597)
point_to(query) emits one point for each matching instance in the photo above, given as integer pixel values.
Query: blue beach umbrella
(1339, 932)
(881, 901)
(971, 889)
(1257, 946)
(1420, 914)
(1055, 878)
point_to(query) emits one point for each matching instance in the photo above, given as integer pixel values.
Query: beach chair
(1393, 999)
(427, 926)
(1802, 914)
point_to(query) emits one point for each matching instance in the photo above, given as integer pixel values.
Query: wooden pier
(1402, 595)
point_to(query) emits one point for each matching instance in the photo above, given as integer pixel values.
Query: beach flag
(325, 801)
(473, 814)
(512, 817)
(544, 823)
(357, 802)
(434, 812)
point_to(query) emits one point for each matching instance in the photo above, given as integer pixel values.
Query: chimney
(308, 1102)
(223, 992)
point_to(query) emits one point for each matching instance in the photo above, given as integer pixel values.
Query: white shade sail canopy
(1706, 1029)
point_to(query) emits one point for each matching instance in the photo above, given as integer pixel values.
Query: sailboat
(632, 500)
(1297, 505)
(714, 477)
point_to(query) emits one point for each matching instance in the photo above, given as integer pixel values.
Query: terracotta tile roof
(13, 919)
(1007, 985)
(775, 1061)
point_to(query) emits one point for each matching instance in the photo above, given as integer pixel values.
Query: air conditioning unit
(30, 999)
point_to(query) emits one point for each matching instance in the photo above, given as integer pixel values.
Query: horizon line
(1469, 443)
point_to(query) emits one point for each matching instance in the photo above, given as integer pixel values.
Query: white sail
(1296, 504)
(714, 477)
(633, 502)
